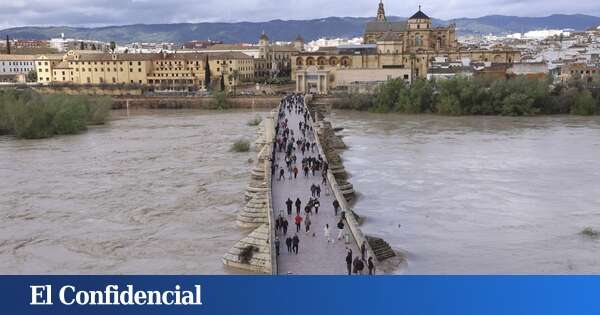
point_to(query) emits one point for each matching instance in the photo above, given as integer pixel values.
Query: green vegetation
(518, 96)
(220, 101)
(247, 253)
(590, 232)
(27, 114)
(32, 76)
(255, 121)
(241, 145)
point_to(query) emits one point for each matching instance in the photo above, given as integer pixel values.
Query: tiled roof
(378, 27)
(419, 15)
(11, 57)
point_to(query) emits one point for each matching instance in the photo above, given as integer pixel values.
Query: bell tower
(381, 12)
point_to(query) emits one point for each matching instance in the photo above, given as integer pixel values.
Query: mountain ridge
(287, 30)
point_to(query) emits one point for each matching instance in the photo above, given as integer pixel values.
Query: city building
(162, 70)
(14, 68)
(408, 47)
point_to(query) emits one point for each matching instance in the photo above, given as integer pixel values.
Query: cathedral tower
(381, 12)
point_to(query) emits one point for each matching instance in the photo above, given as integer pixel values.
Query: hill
(287, 30)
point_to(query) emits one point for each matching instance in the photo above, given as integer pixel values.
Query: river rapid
(155, 192)
(478, 195)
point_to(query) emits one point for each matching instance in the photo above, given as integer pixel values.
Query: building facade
(411, 46)
(14, 68)
(183, 71)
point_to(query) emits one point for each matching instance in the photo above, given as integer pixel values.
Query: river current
(483, 195)
(156, 192)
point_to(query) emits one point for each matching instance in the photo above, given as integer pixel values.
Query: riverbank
(460, 96)
(30, 115)
(199, 102)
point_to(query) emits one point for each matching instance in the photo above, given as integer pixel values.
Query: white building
(14, 68)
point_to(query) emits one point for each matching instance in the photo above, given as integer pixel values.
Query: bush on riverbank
(590, 232)
(518, 96)
(241, 145)
(220, 101)
(27, 114)
(255, 121)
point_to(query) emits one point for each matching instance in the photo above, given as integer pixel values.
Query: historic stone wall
(341, 192)
(193, 102)
(256, 252)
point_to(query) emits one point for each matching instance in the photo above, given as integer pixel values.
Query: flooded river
(482, 195)
(155, 192)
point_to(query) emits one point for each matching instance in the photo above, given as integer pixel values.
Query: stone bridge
(266, 196)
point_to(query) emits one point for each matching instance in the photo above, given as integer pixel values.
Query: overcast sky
(119, 12)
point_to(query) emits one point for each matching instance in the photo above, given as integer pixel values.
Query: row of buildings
(180, 69)
(407, 50)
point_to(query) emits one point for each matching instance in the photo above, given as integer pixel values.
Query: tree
(584, 104)
(113, 46)
(206, 74)
(222, 83)
(32, 76)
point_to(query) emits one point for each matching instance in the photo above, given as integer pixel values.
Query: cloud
(119, 12)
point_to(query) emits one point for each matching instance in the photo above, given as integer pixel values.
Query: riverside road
(315, 254)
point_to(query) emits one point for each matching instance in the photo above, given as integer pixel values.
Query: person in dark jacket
(358, 265)
(295, 243)
(363, 250)
(288, 243)
(289, 204)
(349, 260)
(371, 266)
(277, 243)
(298, 204)
(336, 206)
(284, 226)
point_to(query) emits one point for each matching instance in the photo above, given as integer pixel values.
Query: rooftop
(419, 15)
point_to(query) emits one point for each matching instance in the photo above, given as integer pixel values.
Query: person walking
(318, 191)
(307, 222)
(277, 243)
(316, 204)
(363, 250)
(298, 204)
(327, 233)
(288, 243)
(349, 260)
(295, 172)
(371, 266)
(298, 221)
(289, 204)
(281, 174)
(358, 265)
(340, 227)
(295, 243)
(284, 226)
(336, 207)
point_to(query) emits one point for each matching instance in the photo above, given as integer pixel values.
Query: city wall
(176, 102)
